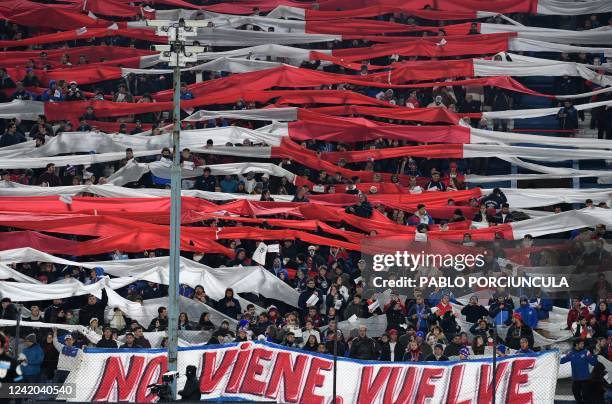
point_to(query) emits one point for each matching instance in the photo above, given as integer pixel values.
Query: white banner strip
(251, 279)
(221, 64)
(560, 7)
(539, 112)
(591, 37)
(562, 222)
(133, 171)
(99, 142)
(232, 37)
(287, 114)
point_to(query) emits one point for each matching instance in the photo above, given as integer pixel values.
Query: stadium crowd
(420, 327)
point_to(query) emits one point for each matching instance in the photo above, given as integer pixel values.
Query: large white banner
(261, 371)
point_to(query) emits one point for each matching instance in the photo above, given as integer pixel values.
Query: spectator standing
(31, 359)
(580, 359)
(68, 356)
(363, 347)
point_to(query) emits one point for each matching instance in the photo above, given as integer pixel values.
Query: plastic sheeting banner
(261, 371)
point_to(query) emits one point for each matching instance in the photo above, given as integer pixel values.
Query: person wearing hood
(229, 305)
(277, 268)
(528, 313)
(191, 390)
(501, 310)
(53, 93)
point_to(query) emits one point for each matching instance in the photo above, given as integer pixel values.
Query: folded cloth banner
(562, 222)
(114, 370)
(267, 114)
(533, 45)
(232, 37)
(186, 338)
(218, 65)
(147, 311)
(591, 37)
(251, 279)
(133, 171)
(98, 142)
(539, 112)
(292, 54)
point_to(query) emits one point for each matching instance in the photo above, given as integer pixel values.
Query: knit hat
(464, 351)
(501, 348)
(31, 338)
(420, 334)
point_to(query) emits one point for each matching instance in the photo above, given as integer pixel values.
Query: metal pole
(17, 331)
(334, 393)
(175, 216)
(494, 382)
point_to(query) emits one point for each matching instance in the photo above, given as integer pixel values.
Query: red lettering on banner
(519, 376)
(485, 387)
(238, 369)
(426, 389)
(454, 387)
(369, 390)
(250, 385)
(209, 379)
(314, 380)
(152, 374)
(290, 374)
(407, 386)
(114, 375)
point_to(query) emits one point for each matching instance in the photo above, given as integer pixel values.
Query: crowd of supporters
(422, 327)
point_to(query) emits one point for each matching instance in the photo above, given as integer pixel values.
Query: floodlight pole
(177, 53)
(175, 213)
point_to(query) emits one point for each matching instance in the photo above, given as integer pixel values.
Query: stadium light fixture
(177, 54)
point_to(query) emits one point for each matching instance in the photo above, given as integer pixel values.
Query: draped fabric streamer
(242, 279)
(520, 198)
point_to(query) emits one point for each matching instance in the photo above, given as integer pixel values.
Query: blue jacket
(499, 315)
(35, 357)
(580, 361)
(529, 315)
(546, 304)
